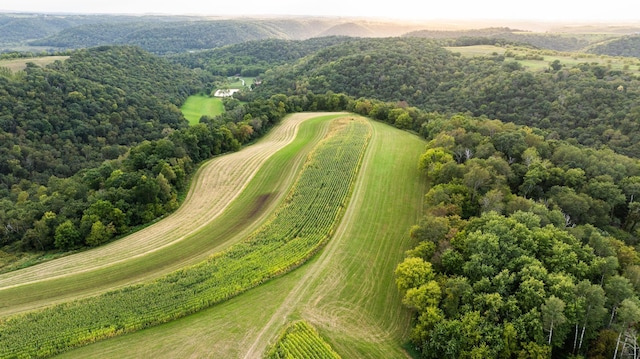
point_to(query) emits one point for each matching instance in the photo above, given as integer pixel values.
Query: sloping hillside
(623, 46)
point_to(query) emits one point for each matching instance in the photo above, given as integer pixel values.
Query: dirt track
(215, 186)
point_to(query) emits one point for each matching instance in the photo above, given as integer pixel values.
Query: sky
(540, 10)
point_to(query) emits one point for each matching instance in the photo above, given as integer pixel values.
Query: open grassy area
(347, 291)
(200, 105)
(20, 64)
(631, 65)
(240, 82)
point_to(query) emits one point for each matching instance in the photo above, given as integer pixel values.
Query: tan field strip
(16, 65)
(215, 186)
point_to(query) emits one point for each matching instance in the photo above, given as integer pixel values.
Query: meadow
(347, 292)
(200, 105)
(240, 82)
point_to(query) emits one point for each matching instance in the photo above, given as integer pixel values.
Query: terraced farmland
(347, 292)
(221, 209)
(296, 230)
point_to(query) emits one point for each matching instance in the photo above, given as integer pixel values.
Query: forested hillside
(72, 116)
(624, 46)
(162, 37)
(17, 29)
(253, 58)
(591, 104)
(490, 36)
(526, 247)
(95, 145)
(180, 35)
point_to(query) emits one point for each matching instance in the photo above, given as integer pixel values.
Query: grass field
(200, 105)
(20, 64)
(240, 82)
(230, 196)
(347, 291)
(631, 65)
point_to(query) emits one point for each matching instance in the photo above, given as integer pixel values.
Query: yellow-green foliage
(301, 341)
(297, 230)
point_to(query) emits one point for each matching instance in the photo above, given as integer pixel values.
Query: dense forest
(72, 116)
(253, 58)
(161, 38)
(623, 46)
(19, 29)
(526, 247)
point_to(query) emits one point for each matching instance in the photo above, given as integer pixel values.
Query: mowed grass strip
(347, 292)
(353, 300)
(200, 105)
(298, 228)
(301, 341)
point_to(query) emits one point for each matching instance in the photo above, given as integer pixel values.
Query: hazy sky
(545, 10)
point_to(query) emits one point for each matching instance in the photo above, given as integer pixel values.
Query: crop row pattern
(296, 230)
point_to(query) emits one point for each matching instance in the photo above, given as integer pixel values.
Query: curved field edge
(298, 228)
(230, 196)
(300, 340)
(347, 292)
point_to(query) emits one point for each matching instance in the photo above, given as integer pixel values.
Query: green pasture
(347, 291)
(239, 219)
(200, 105)
(631, 65)
(237, 82)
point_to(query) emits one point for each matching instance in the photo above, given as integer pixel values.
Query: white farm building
(225, 93)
